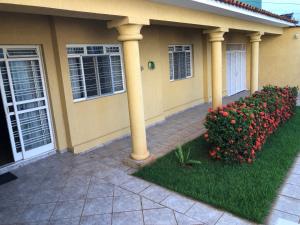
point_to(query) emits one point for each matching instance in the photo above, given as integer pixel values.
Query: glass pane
(90, 73)
(15, 133)
(95, 50)
(117, 72)
(31, 105)
(23, 52)
(105, 74)
(171, 66)
(179, 65)
(178, 48)
(112, 49)
(11, 109)
(3, 72)
(1, 53)
(26, 79)
(176, 57)
(35, 129)
(75, 50)
(188, 64)
(76, 78)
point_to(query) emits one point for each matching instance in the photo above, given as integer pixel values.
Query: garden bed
(247, 190)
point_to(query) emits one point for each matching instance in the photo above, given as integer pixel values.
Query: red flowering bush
(238, 130)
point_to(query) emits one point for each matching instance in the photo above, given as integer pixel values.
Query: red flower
(232, 121)
(212, 153)
(206, 135)
(225, 114)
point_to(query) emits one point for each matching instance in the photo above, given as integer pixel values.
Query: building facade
(78, 74)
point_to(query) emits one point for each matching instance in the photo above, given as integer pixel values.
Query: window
(95, 70)
(180, 61)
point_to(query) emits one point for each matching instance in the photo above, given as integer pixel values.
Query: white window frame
(171, 72)
(80, 55)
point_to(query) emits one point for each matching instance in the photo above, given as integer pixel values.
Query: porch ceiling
(156, 12)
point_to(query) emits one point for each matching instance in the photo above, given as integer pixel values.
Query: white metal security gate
(25, 101)
(236, 68)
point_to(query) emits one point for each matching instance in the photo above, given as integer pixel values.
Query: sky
(280, 6)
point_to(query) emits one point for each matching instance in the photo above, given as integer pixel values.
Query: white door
(236, 68)
(25, 101)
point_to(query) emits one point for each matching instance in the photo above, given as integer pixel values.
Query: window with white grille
(95, 70)
(180, 61)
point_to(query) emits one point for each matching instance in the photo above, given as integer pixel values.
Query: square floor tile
(72, 221)
(68, 209)
(178, 203)
(100, 190)
(155, 193)
(161, 216)
(204, 213)
(118, 177)
(135, 185)
(185, 220)
(228, 219)
(148, 204)
(294, 179)
(10, 215)
(118, 191)
(37, 212)
(291, 190)
(47, 196)
(97, 206)
(127, 203)
(78, 180)
(128, 218)
(104, 219)
(275, 215)
(288, 205)
(73, 193)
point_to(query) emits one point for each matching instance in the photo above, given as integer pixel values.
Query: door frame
(23, 155)
(243, 60)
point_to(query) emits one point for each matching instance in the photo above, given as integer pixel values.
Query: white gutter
(225, 9)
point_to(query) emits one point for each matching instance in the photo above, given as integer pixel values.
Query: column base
(136, 164)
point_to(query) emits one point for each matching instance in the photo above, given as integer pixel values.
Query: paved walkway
(96, 188)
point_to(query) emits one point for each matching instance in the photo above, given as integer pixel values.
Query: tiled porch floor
(96, 187)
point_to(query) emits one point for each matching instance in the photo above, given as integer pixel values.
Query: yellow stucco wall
(180, 94)
(280, 59)
(17, 29)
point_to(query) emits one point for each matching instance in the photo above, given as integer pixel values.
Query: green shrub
(238, 130)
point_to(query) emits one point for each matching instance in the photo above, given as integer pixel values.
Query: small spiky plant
(183, 157)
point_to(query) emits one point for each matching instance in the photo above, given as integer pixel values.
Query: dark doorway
(6, 155)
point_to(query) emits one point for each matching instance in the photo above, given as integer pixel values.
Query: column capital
(216, 34)
(256, 36)
(129, 28)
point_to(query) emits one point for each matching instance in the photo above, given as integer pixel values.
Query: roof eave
(228, 10)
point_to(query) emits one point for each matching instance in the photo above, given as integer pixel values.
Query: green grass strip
(245, 190)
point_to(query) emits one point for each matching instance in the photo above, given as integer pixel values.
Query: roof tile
(258, 10)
